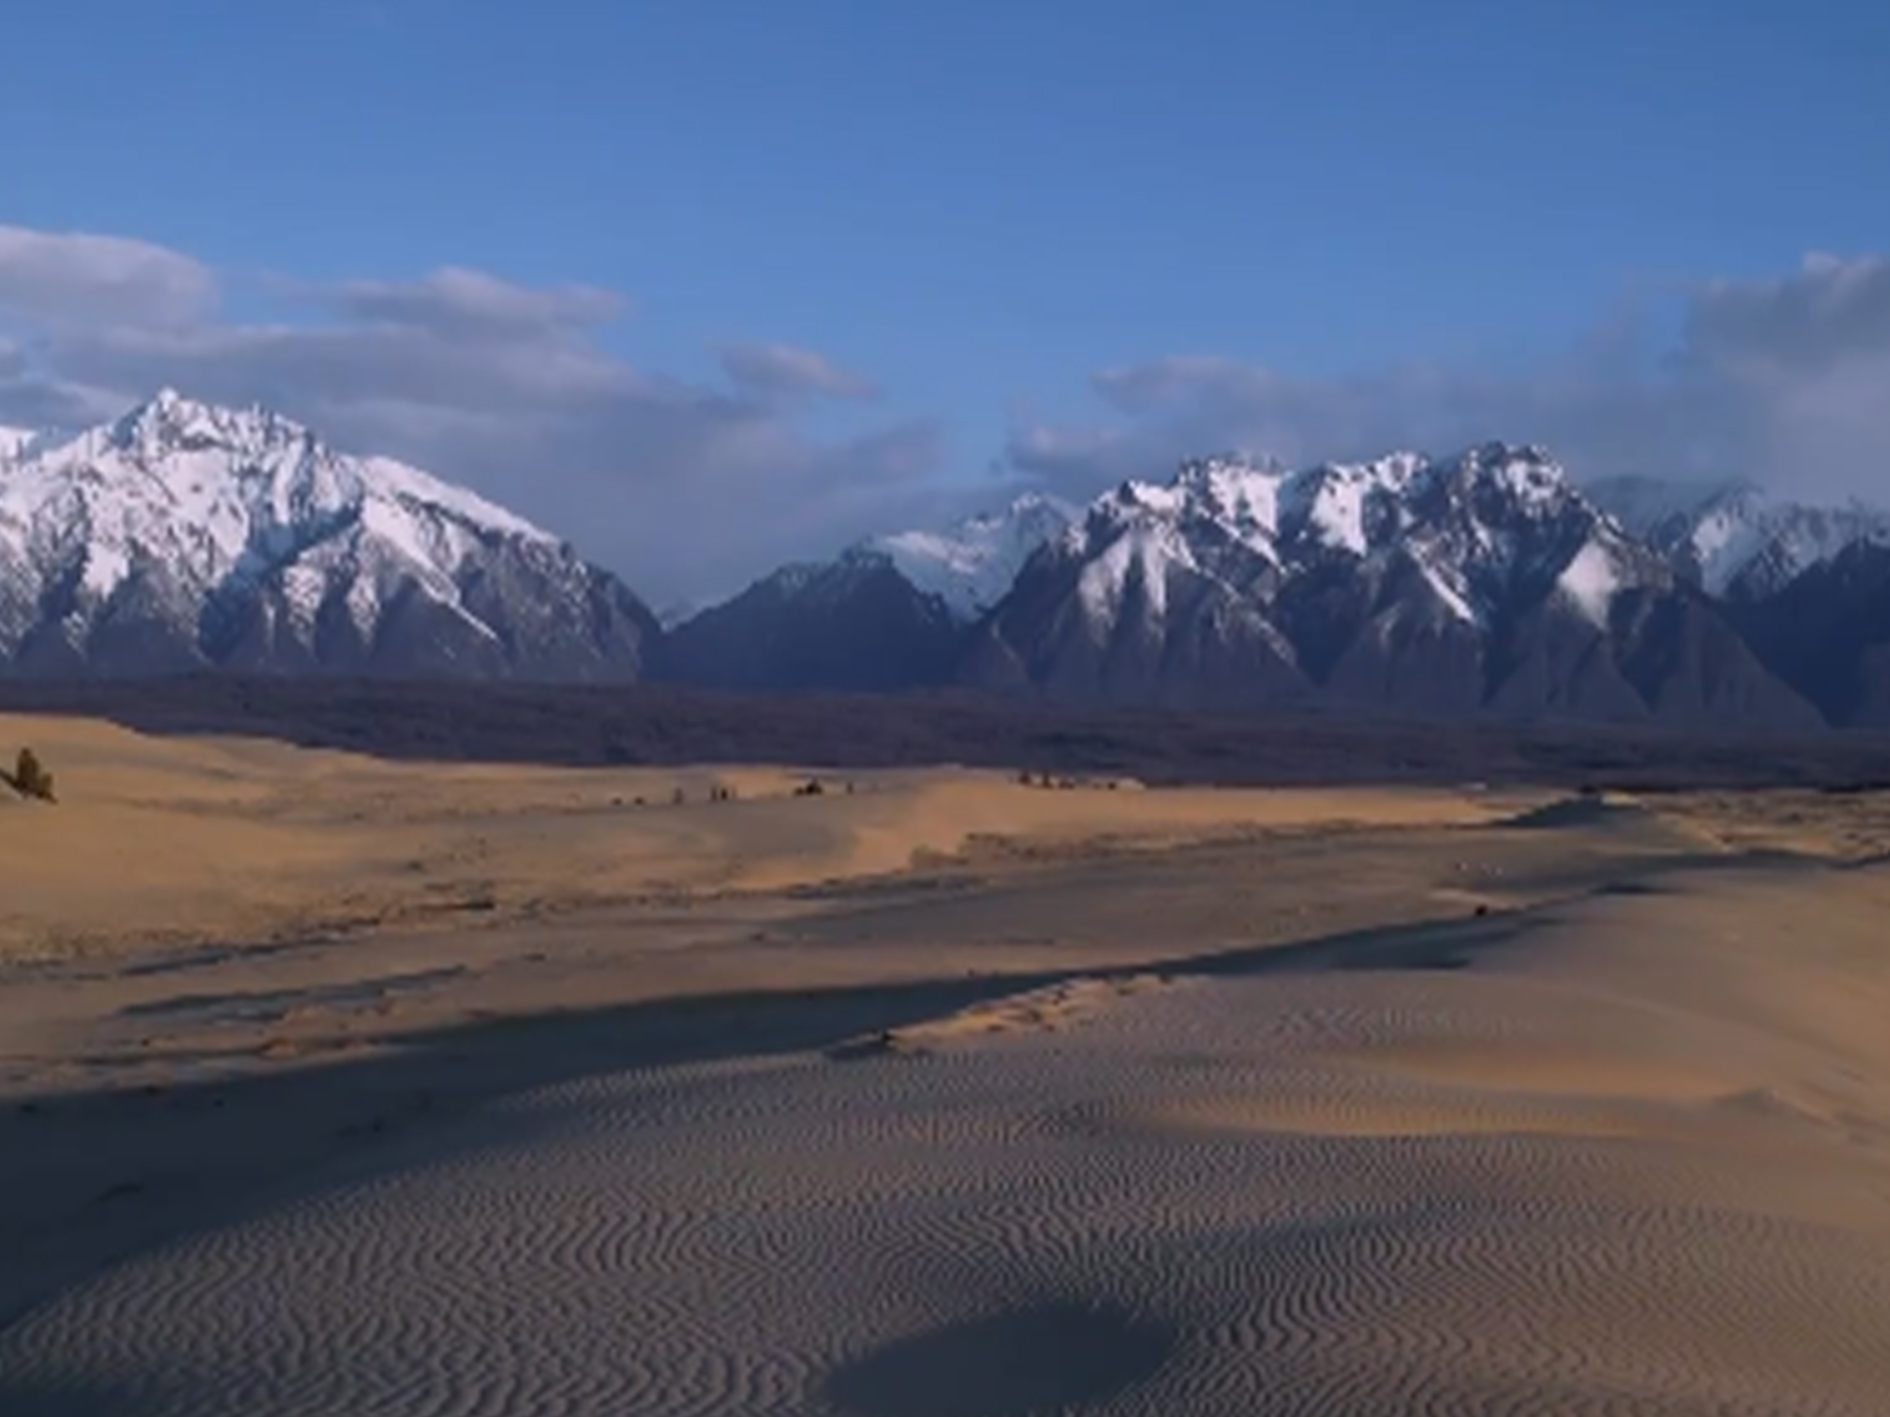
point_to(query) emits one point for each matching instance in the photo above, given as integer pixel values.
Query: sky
(705, 286)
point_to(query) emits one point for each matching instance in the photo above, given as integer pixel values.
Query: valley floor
(334, 1086)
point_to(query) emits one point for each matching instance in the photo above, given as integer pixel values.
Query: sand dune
(177, 840)
(1149, 1104)
(1236, 1195)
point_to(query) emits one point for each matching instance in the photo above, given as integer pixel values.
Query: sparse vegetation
(29, 778)
(1052, 783)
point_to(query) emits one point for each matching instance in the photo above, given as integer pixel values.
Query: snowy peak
(1484, 582)
(13, 442)
(1738, 540)
(1351, 507)
(1231, 489)
(1645, 504)
(1524, 474)
(1136, 567)
(225, 532)
(971, 566)
(1348, 506)
(1479, 527)
(169, 423)
(252, 463)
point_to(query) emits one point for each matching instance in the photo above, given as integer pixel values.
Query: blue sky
(1065, 242)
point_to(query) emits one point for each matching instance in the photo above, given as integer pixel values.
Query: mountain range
(1488, 583)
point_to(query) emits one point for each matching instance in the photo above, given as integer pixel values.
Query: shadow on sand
(93, 1179)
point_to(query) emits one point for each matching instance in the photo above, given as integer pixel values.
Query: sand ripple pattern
(1209, 1199)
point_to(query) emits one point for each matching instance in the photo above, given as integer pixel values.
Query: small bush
(29, 778)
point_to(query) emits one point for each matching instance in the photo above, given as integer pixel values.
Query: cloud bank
(690, 487)
(687, 488)
(1785, 381)
(786, 371)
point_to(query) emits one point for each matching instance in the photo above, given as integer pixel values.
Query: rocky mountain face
(1737, 541)
(851, 625)
(887, 614)
(1484, 583)
(1828, 634)
(185, 536)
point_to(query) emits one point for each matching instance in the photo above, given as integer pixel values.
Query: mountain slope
(1828, 634)
(855, 624)
(1738, 541)
(185, 535)
(887, 614)
(1156, 598)
(1481, 583)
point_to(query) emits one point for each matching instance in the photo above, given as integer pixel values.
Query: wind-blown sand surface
(1422, 1103)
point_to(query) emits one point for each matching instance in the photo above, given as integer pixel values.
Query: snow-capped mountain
(970, 566)
(185, 535)
(1476, 529)
(1486, 582)
(1482, 582)
(13, 442)
(888, 613)
(1736, 540)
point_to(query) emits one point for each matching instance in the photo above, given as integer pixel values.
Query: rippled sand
(1618, 1144)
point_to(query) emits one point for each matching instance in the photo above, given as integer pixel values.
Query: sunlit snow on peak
(971, 565)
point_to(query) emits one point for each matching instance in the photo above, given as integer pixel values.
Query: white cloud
(785, 370)
(1785, 381)
(689, 488)
(457, 301)
(686, 488)
(1828, 311)
(67, 277)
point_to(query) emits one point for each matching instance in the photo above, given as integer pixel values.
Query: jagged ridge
(1487, 582)
(1736, 540)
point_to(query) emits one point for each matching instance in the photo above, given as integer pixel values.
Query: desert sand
(336, 1086)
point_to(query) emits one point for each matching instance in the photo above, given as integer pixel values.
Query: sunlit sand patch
(1044, 1010)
